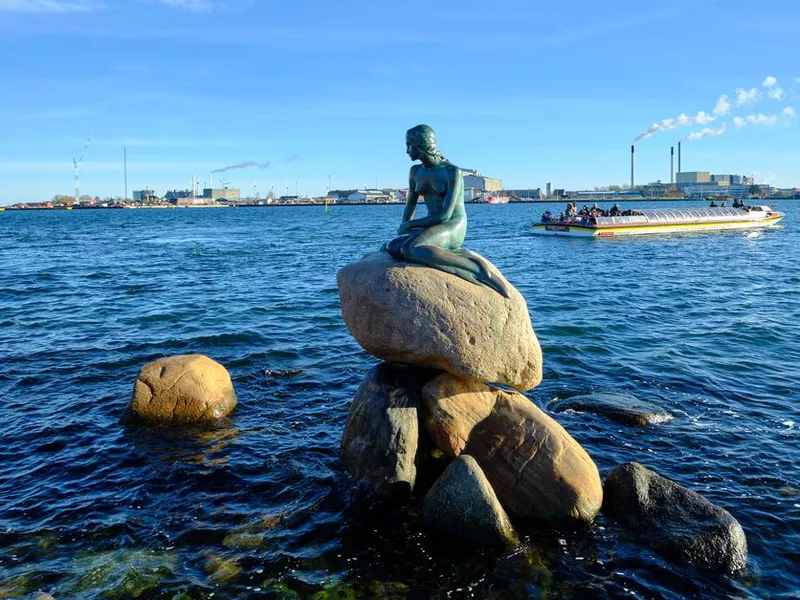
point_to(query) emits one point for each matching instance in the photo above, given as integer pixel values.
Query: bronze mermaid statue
(435, 239)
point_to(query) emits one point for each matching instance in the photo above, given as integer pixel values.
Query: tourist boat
(660, 220)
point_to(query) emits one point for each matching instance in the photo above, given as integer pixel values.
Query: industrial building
(144, 195)
(473, 179)
(223, 194)
(524, 194)
(693, 177)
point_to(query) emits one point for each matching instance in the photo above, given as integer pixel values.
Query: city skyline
(285, 96)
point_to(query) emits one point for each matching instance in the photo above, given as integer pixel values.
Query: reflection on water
(192, 445)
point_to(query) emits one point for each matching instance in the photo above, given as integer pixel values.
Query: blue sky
(526, 91)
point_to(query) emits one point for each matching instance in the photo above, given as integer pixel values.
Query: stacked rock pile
(426, 422)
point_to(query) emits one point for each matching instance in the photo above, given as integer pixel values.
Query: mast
(125, 162)
(77, 181)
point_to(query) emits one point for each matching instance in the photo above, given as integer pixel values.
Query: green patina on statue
(435, 239)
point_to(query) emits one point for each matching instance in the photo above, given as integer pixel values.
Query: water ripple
(705, 325)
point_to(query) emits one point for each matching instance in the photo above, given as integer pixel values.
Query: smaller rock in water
(179, 390)
(676, 522)
(462, 503)
(621, 408)
(381, 438)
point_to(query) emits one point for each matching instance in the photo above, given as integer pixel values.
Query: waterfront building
(693, 177)
(599, 194)
(367, 196)
(524, 194)
(709, 190)
(223, 194)
(656, 190)
(473, 179)
(178, 194)
(144, 195)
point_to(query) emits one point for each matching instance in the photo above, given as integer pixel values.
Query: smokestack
(632, 166)
(671, 165)
(679, 158)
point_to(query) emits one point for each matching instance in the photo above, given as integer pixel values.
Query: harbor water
(258, 506)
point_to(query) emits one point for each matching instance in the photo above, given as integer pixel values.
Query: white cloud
(762, 119)
(707, 132)
(744, 96)
(770, 81)
(789, 111)
(739, 122)
(723, 105)
(776, 93)
(50, 6)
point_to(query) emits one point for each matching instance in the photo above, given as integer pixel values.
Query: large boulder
(676, 522)
(535, 467)
(381, 439)
(184, 389)
(409, 313)
(622, 408)
(462, 503)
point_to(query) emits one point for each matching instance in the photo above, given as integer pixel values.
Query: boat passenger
(722, 205)
(615, 211)
(713, 204)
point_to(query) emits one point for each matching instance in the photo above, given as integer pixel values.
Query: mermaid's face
(412, 148)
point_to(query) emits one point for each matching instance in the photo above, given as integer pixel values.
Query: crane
(75, 164)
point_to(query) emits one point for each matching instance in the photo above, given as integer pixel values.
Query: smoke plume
(704, 133)
(244, 165)
(724, 106)
(701, 118)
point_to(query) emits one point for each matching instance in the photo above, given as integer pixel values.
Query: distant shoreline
(332, 204)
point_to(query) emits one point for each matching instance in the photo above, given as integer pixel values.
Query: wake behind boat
(615, 222)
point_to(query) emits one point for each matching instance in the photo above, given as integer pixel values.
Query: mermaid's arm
(411, 201)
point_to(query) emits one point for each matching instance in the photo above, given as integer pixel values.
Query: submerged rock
(409, 313)
(120, 574)
(221, 568)
(184, 389)
(534, 466)
(621, 408)
(462, 503)
(676, 522)
(381, 438)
